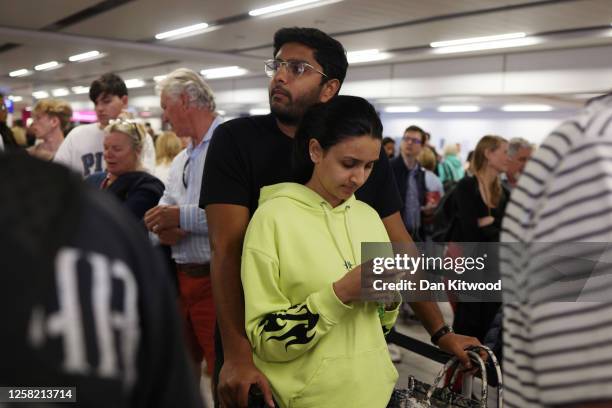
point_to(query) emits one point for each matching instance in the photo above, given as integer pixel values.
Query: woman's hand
(486, 221)
(354, 286)
(348, 288)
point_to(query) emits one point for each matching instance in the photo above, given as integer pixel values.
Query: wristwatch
(444, 330)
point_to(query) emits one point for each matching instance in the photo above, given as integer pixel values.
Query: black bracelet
(444, 330)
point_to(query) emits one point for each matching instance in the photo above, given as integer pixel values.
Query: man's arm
(227, 224)
(428, 312)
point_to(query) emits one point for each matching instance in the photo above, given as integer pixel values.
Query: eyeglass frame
(412, 140)
(286, 64)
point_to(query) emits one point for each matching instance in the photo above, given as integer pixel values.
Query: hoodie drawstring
(347, 262)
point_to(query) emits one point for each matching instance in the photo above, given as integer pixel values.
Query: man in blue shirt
(188, 104)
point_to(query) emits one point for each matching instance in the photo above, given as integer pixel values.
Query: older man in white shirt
(189, 105)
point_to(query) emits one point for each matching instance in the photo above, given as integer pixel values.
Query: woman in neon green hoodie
(317, 343)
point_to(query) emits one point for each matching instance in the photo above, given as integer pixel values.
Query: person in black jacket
(124, 177)
(481, 203)
(84, 299)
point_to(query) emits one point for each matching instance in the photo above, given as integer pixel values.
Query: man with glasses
(188, 104)
(247, 154)
(412, 181)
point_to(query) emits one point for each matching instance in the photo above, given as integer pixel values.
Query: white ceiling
(406, 27)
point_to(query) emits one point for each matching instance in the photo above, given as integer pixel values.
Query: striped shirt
(560, 353)
(183, 189)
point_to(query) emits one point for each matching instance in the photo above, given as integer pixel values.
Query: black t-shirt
(247, 154)
(84, 299)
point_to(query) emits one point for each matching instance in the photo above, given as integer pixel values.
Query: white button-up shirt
(183, 189)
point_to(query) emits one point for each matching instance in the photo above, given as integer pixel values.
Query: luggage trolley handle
(454, 364)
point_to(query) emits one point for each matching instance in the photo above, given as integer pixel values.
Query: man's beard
(292, 112)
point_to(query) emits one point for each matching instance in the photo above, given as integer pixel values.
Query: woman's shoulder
(468, 181)
(143, 180)
(467, 185)
(371, 221)
(365, 212)
(364, 208)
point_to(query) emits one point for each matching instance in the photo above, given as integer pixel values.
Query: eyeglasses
(294, 68)
(185, 172)
(412, 140)
(126, 126)
(120, 123)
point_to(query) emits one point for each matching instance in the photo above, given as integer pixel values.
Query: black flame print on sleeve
(302, 323)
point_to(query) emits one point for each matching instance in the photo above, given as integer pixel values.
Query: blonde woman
(481, 203)
(481, 200)
(451, 168)
(124, 175)
(51, 119)
(167, 146)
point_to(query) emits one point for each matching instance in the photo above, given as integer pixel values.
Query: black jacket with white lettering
(84, 300)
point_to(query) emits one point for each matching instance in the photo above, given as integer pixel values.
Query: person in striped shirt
(557, 346)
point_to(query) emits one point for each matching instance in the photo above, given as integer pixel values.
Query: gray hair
(517, 143)
(186, 81)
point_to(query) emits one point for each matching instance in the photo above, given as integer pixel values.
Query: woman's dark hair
(330, 123)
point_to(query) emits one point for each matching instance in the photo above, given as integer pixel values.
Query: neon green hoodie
(315, 350)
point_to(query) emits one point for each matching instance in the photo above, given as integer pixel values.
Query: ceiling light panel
(490, 45)
(60, 92)
(85, 56)
(280, 7)
(259, 111)
(80, 89)
(40, 94)
(527, 108)
(402, 109)
(223, 72)
(47, 66)
(183, 31)
(475, 40)
(458, 108)
(20, 73)
(134, 83)
(356, 57)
